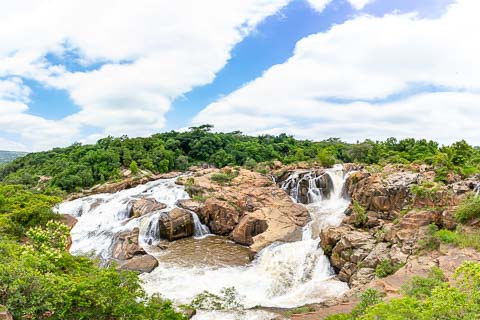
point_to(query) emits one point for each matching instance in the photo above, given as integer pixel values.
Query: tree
(133, 167)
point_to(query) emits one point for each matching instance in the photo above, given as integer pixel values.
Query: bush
(133, 167)
(468, 210)
(421, 287)
(385, 268)
(360, 214)
(229, 299)
(447, 236)
(250, 164)
(431, 241)
(368, 298)
(223, 178)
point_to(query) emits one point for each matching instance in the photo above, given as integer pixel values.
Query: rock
(126, 245)
(362, 277)
(192, 205)
(248, 227)
(221, 216)
(4, 314)
(177, 224)
(380, 252)
(144, 206)
(70, 221)
(142, 263)
(276, 165)
(331, 235)
(448, 220)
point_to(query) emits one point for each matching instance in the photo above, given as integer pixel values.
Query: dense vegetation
(80, 166)
(39, 279)
(425, 298)
(7, 156)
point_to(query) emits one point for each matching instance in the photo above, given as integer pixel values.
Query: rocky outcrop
(125, 245)
(70, 221)
(129, 255)
(142, 263)
(144, 206)
(249, 208)
(177, 224)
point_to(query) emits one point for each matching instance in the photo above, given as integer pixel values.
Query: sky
(79, 70)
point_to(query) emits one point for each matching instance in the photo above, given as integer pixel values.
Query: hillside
(82, 166)
(7, 156)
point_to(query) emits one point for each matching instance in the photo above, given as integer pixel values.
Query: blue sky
(153, 75)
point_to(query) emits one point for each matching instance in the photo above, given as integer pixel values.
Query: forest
(82, 166)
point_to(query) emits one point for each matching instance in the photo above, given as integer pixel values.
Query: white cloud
(360, 4)
(367, 59)
(319, 5)
(155, 51)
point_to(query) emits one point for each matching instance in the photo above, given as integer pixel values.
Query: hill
(80, 166)
(7, 156)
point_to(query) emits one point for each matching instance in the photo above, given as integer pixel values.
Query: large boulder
(220, 216)
(250, 208)
(141, 263)
(177, 224)
(125, 245)
(144, 206)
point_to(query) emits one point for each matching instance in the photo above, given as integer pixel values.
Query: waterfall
(283, 275)
(102, 216)
(200, 230)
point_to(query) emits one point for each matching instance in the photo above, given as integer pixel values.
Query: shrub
(386, 267)
(421, 287)
(447, 236)
(468, 210)
(431, 241)
(360, 214)
(250, 164)
(368, 298)
(228, 299)
(225, 177)
(133, 167)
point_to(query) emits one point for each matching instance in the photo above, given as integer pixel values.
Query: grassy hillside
(7, 156)
(80, 166)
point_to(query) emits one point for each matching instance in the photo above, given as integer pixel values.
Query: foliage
(360, 214)
(460, 238)
(228, 299)
(426, 298)
(80, 166)
(133, 167)
(421, 287)
(431, 241)
(468, 210)
(300, 310)
(386, 267)
(368, 298)
(21, 209)
(224, 177)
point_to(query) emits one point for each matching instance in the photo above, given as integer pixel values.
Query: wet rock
(221, 216)
(248, 227)
(144, 206)
(70, 221)
(126, 245)
(189, 204)
(177, 224)
(142, 263)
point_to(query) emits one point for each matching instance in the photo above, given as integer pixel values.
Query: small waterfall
(476, 190)
(102, 216)
(200, 230)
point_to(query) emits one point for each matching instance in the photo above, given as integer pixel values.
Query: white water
(282, 275)
(101, 216)
(476, 190)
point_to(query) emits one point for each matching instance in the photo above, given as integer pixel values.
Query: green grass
(468, 210)
(460, 239)
(386, 268)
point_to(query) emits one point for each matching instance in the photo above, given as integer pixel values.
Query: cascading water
(476, 190)
(282, 275)
(102, 216)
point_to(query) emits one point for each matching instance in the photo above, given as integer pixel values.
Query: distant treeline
(80, 166)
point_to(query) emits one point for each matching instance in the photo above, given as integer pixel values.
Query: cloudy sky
(78, 70)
